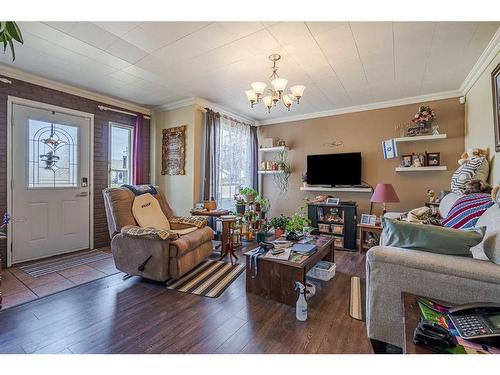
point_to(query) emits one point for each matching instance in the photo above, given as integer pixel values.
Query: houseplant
(279, 224)
(298, 221)
(240, 204)
(249, 194)
(281, 178)
(9, 32)
(262, 205)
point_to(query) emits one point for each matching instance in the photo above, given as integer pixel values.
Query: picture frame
(495, 86)
(407, 160)
(433, 159)
(173, 151)
(367, 219)
(332, 201)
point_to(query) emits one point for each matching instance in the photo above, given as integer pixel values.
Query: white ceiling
(341, 64)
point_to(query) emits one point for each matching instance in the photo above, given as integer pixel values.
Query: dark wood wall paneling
(37, 93)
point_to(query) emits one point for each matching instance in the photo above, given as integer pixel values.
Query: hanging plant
(9, 31)
(284, 171)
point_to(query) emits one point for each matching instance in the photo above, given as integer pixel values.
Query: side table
(211, 214)
(363, 232)
(226, 238)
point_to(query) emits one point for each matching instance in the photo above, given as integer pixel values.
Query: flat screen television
(334, 169)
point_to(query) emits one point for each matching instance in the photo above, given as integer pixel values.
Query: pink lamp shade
(384, 193)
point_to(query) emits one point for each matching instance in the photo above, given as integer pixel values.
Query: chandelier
(277, 92)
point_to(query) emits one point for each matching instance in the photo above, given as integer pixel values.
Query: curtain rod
(103, 108)
(233, 118)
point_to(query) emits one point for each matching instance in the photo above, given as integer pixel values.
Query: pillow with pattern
(464, 173)
(467, 210)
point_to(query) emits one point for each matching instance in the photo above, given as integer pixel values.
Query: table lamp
(384, 193)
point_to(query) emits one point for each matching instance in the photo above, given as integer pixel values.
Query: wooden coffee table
(276, 278)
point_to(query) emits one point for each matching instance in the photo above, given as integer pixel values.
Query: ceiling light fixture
(276, 91)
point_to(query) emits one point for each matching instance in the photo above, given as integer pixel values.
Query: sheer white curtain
(235, 161)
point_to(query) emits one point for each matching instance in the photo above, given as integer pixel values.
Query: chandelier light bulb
(297, 91)
(287, 101)
(279, 84)
(251, 96)
(268, 102)
(258, 88)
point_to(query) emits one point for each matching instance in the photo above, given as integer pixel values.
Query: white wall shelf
(420, 138)
(269, 172)
(339, 189)
(422, 169)
(274, 149)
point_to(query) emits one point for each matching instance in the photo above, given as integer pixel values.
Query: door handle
(82, 194)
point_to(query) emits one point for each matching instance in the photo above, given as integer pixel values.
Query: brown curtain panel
(254, 144)
(212, 152)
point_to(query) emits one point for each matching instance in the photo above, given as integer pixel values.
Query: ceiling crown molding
(54, 85)
(365, 107)
(204, 103)
(489, 53)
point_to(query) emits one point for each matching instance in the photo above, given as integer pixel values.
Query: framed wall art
(495, 82)
(173, 151)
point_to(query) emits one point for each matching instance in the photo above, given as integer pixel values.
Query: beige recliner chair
(150, 256)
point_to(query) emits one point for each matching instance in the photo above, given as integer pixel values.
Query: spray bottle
(301, 305)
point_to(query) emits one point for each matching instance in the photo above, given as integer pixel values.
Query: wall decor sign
(495, 81)
(173, 151)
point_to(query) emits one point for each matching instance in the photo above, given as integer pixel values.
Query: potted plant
(298, 221)
(240, 204)
(282, 165)
(262, 206)
(279, 224)
(249, 194)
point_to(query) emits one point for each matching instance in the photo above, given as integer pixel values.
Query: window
(235, 162)
(52, 155)
(120, 154)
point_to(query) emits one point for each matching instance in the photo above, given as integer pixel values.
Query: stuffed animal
(431, 195)
(477, 186)
(472, 153)
(474, 165)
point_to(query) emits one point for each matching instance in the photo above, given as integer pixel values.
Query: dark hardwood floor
(136, 316)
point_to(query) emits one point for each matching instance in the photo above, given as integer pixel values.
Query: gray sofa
(392, 270)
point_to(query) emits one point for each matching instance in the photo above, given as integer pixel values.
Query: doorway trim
(11, 100)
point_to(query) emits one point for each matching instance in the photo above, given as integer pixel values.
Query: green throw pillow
(431, 238)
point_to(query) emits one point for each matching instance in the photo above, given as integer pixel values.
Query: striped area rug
(64, 262)
(209, 279)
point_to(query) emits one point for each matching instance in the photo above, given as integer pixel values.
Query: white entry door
(50, 187)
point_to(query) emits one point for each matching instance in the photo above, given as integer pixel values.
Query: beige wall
(364, 132)
(479, 119)
(182, 191)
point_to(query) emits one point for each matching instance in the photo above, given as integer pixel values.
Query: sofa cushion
(147, 212)
(492, 247)
(447, 203)
(190, 241)
(434, 239)
(467, 210)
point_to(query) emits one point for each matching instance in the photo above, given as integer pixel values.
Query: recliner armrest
(189, 221)
(149, 233)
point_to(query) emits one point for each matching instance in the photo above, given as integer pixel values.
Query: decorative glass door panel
(53, 152)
